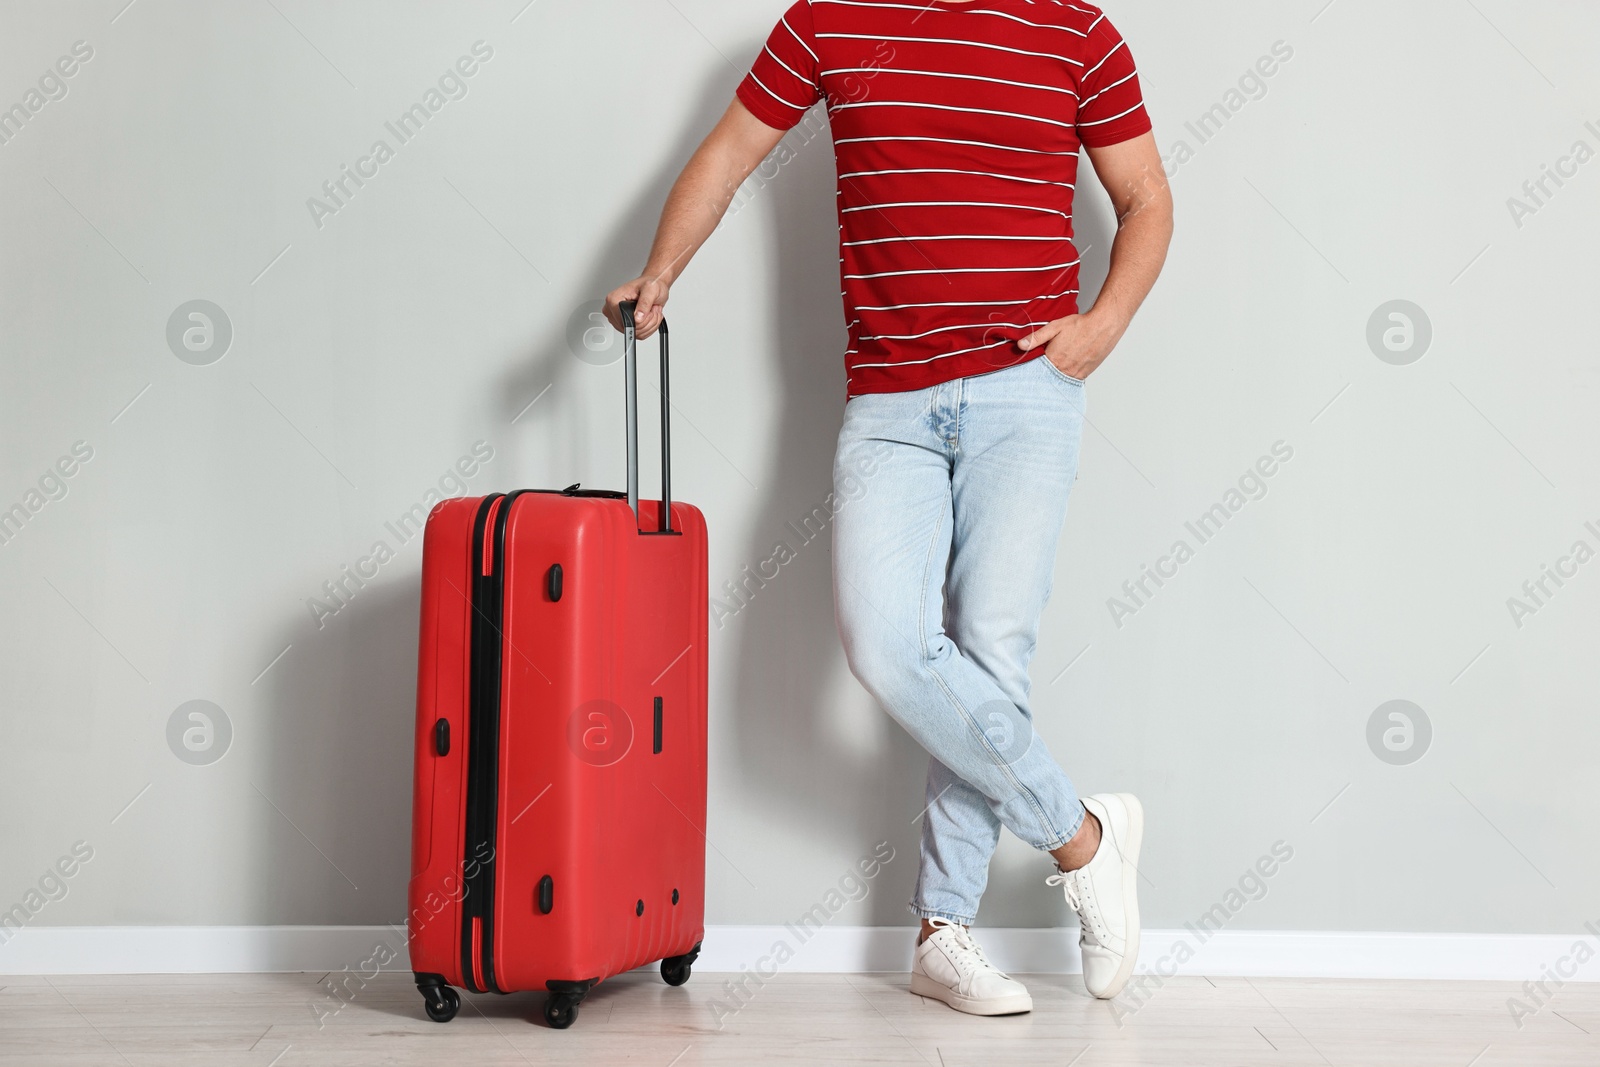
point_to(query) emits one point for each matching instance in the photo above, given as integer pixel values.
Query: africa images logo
(199, 732)
(599, 732)
(199, 332)
(1399, 732)
(1399, 333)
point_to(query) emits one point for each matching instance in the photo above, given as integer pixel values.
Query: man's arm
(1132, 173)
(694, 207)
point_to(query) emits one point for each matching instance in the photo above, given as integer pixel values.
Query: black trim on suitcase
(483, 750)
(472, 889)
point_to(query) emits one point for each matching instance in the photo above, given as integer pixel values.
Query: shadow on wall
(339, 710)
(818, 778)
(1095, 227)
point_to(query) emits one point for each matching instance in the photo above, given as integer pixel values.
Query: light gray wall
(371, 352)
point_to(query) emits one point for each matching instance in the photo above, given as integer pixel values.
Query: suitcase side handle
(630, 369)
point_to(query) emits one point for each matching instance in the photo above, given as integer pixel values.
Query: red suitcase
(560, 791)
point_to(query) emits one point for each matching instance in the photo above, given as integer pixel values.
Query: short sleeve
(1110, 104)
(785, 80)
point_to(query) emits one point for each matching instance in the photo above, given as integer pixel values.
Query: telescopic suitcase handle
(630, 367)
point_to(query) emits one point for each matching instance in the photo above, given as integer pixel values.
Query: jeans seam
(1083, 813)
(922, 595)
(961, 409)
(1050, 831)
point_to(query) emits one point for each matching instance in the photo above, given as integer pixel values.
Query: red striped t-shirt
(956, 129)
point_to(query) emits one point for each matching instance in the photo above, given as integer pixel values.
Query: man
(957, 126)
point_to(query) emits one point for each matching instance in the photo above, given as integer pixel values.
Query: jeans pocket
(1060, 374)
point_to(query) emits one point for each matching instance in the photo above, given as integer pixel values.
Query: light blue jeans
(944, 551)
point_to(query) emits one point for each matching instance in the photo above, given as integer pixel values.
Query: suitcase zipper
(483, 741)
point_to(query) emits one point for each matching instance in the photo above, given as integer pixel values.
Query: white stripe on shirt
(775, 96)
(975, 11)
(1113, 118)
(951, 203)
(963, 270)
(1120, 46)
(947, 40)
(951, 237)
(797, 37)
(942, 355)
(944, 74)
(1107, 89)
(946, 170)
(947, 329)
(952, 140)
(786, 66)
(970, 303)
(951, 107)
(895, 307)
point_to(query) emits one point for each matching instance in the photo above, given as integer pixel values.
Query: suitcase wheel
(561, 1010)
(675, 969)
(441, 1002)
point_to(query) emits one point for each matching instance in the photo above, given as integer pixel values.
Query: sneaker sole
(1016, 1004)
(1130, 893)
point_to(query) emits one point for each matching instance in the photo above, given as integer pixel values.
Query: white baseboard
(191, 949)
(848, 949)
(1246, 953)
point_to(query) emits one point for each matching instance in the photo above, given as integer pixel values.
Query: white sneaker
(950, 966)
(1105, 894)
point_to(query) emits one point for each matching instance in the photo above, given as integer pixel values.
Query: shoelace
(1092, 921)
(969, 954)
(1069, 885)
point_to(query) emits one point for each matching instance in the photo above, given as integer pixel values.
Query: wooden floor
(272, 1021)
